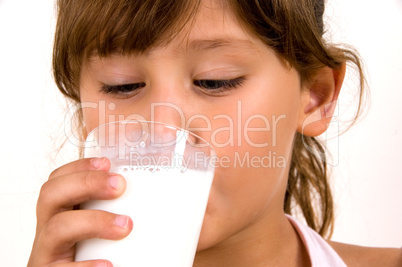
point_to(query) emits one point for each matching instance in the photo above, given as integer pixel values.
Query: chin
(205, 243)
(210, 234)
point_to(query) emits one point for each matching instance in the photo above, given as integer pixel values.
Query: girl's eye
(122, 89)
(212, 86)
(216, 86)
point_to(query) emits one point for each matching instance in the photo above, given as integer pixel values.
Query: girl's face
(225, 85)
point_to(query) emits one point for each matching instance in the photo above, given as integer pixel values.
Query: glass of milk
(169, 173)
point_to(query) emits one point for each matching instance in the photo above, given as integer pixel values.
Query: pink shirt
(319, 251)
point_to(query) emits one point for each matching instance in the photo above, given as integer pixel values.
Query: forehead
(216, 26)
(213, 26)
(214, 17)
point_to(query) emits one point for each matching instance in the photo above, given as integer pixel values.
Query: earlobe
(319, 100)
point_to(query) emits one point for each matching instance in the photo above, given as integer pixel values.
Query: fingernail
(115, 181)
(121, 221)
(97, 163)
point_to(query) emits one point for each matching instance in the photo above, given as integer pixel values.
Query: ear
(319, 99)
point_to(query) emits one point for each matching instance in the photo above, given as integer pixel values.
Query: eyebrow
(212, 44)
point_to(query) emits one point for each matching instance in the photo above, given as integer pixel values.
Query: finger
(93, 263)
(101, 164)
(64, 192)
(65, 229)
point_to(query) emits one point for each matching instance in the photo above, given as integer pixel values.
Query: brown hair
(294, 29)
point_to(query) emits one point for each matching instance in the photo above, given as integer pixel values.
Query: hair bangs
(89, 27)
(132, 26)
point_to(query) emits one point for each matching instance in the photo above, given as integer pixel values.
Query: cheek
(258, 126)
(251, 177)
(253, 155)
(90, 103)
(97, 111)
(91, 118)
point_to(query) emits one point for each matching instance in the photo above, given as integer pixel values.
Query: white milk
(167, 207)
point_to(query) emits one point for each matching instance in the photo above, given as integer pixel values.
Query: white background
(367, 159)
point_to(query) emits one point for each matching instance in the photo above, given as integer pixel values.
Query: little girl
(254, 78)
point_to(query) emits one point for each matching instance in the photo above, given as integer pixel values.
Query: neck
(278, 244)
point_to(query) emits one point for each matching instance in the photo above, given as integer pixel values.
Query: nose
(165, 102)
(175, 105)
(169, 112)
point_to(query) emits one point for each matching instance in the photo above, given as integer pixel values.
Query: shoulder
(367, 256)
